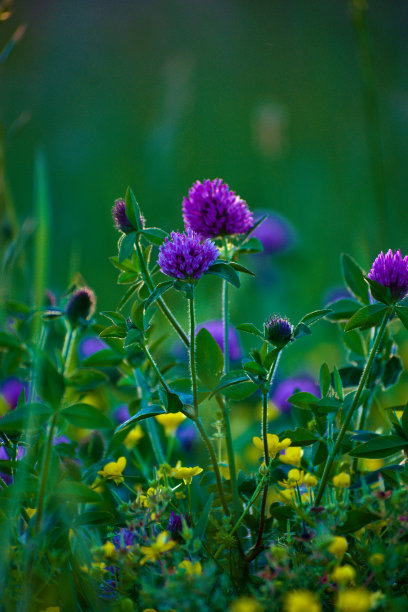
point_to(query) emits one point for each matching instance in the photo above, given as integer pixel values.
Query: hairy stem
(360, 389)
(193, 366)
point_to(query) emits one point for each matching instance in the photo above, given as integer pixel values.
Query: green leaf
(240, 391)
(128, 295)
(113, 331)
(8, 341)
(354, 341)
(239, 268)
(86, 416)
(50, 382)
(392, 371)
(300, 330)
(314, 316)
(366, 317)
(201, 525)
(226, 272)
(253, 367)
(144, 413)
(77, 492)
(133, 210)
(402, 313)
(300, 436)
(249, 328)
(379, 447)
(338, 385)
(302, 399)
(231, 378)
(106, 358)
(324, 379)
(404, 420)
(210, 359)
(355, 520)
(379, 292)
(154, 235)
(354, 278)
(126, 246)
(253, 245)
(116, 317)
(85, 379)
(343, 309)
(159, 290)
(93, 517)
(327, 404)
(31, 416)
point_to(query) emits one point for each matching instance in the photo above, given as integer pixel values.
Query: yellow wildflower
(191, 568)
(170, 421)
(338, 546)
(310, 481)
(133, 437)
(370, 465)
(245, 604)
(160, 546)
(113, 470)
(376, 559)
(344, 573)
(31, 511)
(274, 446)
(342, 480)
(295, 478)
(109, 550)
(292, 456)
(301, 601)
(354, 600)
(187, 473)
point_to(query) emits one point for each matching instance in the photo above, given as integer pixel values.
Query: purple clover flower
(11, 389)
(184, 256)
(212, 209)
(391, 270)
(288, 387)
(81, 305)
(278, 330)
(275, 233)
(125, 537)
(120, 219)
(216, 329)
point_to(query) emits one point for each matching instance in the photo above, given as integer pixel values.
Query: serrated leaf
(366, 317)
(354, 278)
(226, 272)
(210, 359)
(86, 416)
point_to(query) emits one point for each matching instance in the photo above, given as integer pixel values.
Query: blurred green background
(156, 94)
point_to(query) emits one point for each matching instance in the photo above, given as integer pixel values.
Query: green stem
(161, 303)
(213, 457)
(44, 474)
(193, 366)
(155, 368)
(155, 441)
(360, 389)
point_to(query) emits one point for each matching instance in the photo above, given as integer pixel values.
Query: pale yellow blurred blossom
(376, 559)
(301, 601)
(353, 600)
(342, 480)
(109, 550)
(370, 465)
(191, 568)
(344, 574)
(292, 456)
(295, 479)
(310, 481)
(274, 446)
(186, 473)
(170, 421)
(133, 438)
(338, 546)
(245, 604)
(162, 544)
(113, 470)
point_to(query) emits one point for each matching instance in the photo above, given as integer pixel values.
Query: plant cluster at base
(134, 478)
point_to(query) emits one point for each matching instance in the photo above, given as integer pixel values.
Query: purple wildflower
(91, 345)
(81, 305)
(275, 233)
(278, 330)
(288, 387)
(184, 256)
(4, 455)
(122, 413)
(124, 538)
(11, 390)
(120, 218)
(186, 435)
(216, 329)
(61, 440)
(391, 270)
(212, 209)
(175, 525)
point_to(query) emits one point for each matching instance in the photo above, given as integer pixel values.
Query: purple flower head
(124, 538)
(278, 330)
(11, 389)
(184, 256)
(391, 270)
(186, 435)
(212, 209)
(91, 345)
(61, 440)
(81, 305)
(175, 525)
(216, 329)
(120, 219)
(275, 233)
(122, 413)
(288, 387)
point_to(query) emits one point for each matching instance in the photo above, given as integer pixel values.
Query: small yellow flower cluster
(274, 446)
(152, 495)
(342, 480)
(292, 456)
(113, 470)
(343, 574)
(338, 546)
(162, 544)
(376, 559)
(295, 479)
(301, 601)
(353, 600)
(245, 604)
(190, 568)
